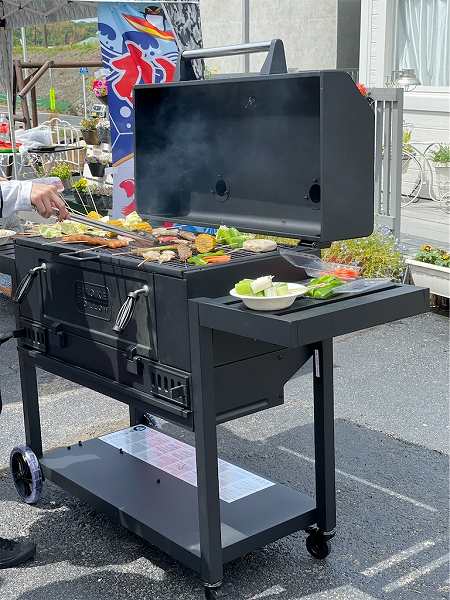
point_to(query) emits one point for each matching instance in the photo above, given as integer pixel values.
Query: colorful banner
(138, 46)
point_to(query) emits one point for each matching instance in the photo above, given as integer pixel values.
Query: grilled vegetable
(204, 242)
(198, 261)
(230, 236)
(217, 260)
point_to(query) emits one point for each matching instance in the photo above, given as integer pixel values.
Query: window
(422, 40)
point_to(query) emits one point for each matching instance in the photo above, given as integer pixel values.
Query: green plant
(89, 124)
(81, 185)
(61, 170)
(407, 147)
(377, 255)
(101, 160)
(442, 154)
(433, 256)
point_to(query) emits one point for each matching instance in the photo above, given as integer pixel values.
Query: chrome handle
(127, 309)
(24, 286)
(251, 48)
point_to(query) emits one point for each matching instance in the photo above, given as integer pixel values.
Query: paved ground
(392, 481)
(425, 222)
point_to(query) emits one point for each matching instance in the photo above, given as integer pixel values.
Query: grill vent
(170, 384)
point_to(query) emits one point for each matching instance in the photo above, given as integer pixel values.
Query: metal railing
(388, 107)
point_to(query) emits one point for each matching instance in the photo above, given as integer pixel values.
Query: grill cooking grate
(175, 264)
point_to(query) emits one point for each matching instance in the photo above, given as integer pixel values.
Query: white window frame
(426, 98)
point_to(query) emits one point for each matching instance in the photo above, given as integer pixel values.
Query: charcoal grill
(287, 154)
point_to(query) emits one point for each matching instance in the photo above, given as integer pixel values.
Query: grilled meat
(166, 256)
(187, 235)
(92, 240)
(184, 252)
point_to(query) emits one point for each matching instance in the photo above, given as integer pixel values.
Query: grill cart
(278, 153)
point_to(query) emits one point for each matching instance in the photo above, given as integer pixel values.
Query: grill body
(70, 312)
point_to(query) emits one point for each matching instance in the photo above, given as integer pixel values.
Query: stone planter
(434, 277)
(442, 171)
(90, 136)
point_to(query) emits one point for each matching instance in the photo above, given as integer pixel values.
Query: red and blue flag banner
(138, 46)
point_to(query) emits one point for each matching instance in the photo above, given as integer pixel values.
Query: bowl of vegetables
(265, 294)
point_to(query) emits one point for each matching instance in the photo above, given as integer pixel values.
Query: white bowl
(272, 303)
(6, 235)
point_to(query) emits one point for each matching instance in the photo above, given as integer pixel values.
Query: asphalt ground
(392, 484)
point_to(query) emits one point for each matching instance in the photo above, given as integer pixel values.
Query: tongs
(141, 238)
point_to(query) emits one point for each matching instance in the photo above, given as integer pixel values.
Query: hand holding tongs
(141, 238)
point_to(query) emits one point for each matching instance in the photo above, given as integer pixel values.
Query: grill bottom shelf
(162, 509)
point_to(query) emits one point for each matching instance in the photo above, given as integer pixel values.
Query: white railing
(388, 107)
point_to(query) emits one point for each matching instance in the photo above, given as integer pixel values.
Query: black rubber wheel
(318, 547)
(27, 474)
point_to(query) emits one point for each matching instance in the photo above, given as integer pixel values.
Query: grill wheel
(27, 474)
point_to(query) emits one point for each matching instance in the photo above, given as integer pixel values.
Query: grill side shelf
(308, 324)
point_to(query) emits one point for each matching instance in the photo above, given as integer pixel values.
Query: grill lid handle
(275, 61)
(127, 309)
(24, 286)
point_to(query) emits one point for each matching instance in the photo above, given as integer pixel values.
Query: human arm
(22, 195)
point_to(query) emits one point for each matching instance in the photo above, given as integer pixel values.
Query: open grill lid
(281, 154)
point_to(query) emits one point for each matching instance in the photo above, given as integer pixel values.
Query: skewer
(89, 249)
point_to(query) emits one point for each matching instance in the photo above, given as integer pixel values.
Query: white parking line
(365, 482)
(416, 573)
(397, 558)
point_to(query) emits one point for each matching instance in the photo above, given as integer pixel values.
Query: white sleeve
(14, 196)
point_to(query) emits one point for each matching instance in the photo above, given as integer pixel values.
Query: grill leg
(136, 416)
(324, 435)
(206, 451)
(30, 400)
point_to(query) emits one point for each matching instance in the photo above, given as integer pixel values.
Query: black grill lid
(288, 155)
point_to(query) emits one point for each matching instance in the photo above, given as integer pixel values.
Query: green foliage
(442, 154)
(89, 124)
(377, 255)
(62, 33)
(407, 147)
(81, 185)
(61, 170)
(433, 256)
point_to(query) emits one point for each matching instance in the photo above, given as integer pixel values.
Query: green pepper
(197, 261)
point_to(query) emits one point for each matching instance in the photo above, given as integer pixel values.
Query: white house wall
(427, 111)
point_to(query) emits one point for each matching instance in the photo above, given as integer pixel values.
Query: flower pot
(442, 171)
(97, 169)
(103, 202)
(434, 277)
(90, 136)
(103, 99)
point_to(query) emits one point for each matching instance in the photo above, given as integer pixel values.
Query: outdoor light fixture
(406, 79)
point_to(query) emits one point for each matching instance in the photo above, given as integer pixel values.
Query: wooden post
(21, 85)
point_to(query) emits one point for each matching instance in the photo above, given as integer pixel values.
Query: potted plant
(64, 172)
(104, 131)
(441, 163)
(377, 255)
(430, 268)
(102, 196)
(97, 165)
(81, 193)
(89, 131)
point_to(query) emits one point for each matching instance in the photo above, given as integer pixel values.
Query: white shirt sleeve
(14, 196)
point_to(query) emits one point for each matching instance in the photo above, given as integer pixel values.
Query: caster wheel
(317, 546)
(27, 474)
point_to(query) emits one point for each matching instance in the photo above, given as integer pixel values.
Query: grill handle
(127, 309)
(275, 61)
(24, 286)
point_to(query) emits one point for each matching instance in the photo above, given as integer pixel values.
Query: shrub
(61, 170)
(377, 255)
(433, 256)
(442, 154)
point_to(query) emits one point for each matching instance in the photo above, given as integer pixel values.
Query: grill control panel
(93, 300)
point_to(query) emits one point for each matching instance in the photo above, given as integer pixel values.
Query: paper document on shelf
(178, 459)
